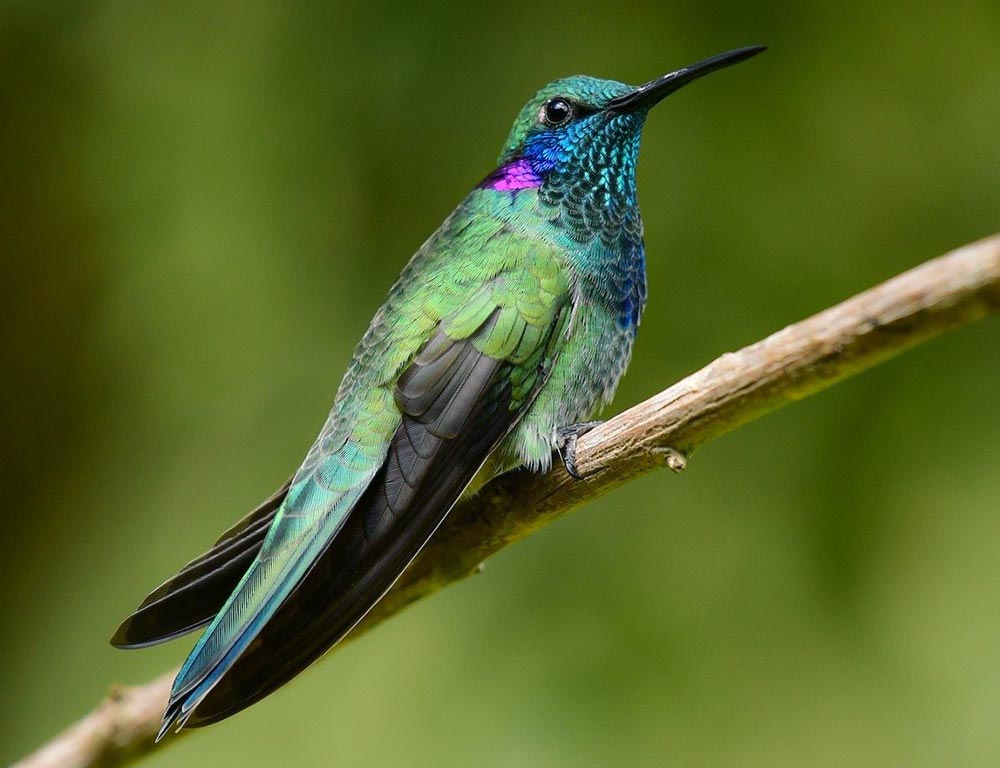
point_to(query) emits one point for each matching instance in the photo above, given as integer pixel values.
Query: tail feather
(309, 518)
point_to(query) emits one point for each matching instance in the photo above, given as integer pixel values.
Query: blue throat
(585, 178)
(590, 189)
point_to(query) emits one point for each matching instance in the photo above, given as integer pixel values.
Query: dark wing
(189, 600)
(457, 404)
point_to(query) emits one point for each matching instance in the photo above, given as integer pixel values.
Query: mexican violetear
(507, 330)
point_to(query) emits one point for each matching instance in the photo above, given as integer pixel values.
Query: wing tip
(127, 636)
(121, 640)
(131, 636)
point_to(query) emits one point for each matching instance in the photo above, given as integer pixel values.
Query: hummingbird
(503, 336)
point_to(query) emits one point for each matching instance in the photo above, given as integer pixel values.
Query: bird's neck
(584, 199)
(603, 249)
(592, 191)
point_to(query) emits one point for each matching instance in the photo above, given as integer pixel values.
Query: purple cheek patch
(516, 175)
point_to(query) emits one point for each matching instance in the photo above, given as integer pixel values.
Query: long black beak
(652, 92)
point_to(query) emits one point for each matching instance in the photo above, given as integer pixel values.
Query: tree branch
(951, 291)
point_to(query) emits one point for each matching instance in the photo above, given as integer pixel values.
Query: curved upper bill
(649, 94)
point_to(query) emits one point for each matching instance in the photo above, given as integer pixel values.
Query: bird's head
(578, 137)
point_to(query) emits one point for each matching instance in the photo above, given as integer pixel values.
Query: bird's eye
(556, 112)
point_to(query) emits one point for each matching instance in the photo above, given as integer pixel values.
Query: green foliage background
(202, 205)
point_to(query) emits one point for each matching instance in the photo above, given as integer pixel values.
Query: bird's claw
(567, 452)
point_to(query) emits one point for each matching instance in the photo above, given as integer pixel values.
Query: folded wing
(327, 561)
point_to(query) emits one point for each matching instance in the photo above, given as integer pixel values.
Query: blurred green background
(202, 205)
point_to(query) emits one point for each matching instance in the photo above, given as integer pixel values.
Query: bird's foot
(569, 435)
